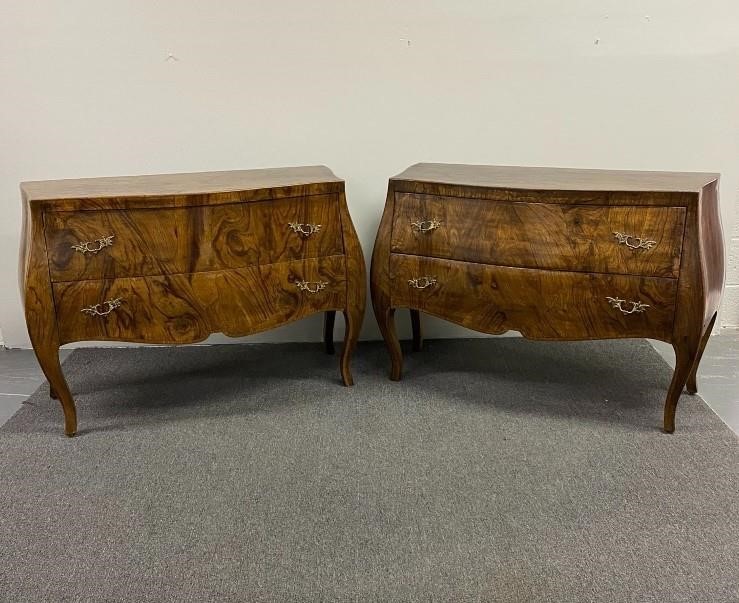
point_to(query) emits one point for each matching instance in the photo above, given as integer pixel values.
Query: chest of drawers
(171, 259)
(556, 254)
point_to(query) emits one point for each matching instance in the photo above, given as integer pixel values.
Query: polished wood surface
(541, 235)
(189, 184)
(540, 304)
(190, 255)
(186, 308)
(556, 179)
(191, 239)
(528, 249)
(181, 190)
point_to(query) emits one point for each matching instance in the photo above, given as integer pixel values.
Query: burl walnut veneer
(556, 254)
(171, 259)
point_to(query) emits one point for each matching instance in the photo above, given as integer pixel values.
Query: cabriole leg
(48, 358)
(353, 320)
(386, 321)
(684, 355)
(692, 385)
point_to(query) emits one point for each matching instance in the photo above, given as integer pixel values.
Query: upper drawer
(612, 239)
(116, 243)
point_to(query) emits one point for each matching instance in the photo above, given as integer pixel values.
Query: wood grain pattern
(564, 197)
(556, 296)
(192, 239)
(192, 254)
(541, 304)
(186, 308)
(541, 235)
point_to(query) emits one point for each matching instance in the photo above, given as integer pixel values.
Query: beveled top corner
(165, 185)
(547, 178)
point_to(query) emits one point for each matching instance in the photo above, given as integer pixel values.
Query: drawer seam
(166, 274)
(433, 257)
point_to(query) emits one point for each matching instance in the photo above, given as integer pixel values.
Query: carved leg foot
(328, 331)
(416, 328)
(386, 320)
(684, 355)
(353, 320)
(48, 358)
(692, 385)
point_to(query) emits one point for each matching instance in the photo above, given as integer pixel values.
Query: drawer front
(540, 304)
(120, 243)
(613, 239)
(183, 308)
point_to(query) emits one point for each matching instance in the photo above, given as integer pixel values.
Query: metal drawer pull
(422, 282)
(109, 306)
(633, 242)
(636, 306)
(84, 246)
(304, 229)
(426, 225)
(311, 286)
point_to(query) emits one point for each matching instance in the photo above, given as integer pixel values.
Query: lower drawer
(184, 308)
(541, 304)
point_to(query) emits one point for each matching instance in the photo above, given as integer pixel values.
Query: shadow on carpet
(497, 470)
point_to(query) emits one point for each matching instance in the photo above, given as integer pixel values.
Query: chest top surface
(546, 178)
(198, 183)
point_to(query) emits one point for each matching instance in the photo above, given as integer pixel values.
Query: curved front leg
(48, 359)
(386, 321)
(38, 302)
(353, 320)
(684, 356)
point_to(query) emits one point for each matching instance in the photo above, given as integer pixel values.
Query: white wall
(731, 295)
(364, 87)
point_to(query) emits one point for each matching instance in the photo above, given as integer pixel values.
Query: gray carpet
(497, 470)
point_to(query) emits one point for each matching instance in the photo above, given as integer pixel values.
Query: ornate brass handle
(426, 225)
(636, 306)
(85, 246)
(311, 286)
(304, 229)
(103, 309)
(633, 242)
(422, 282)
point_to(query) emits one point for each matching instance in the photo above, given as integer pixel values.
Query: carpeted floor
(497, 470)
